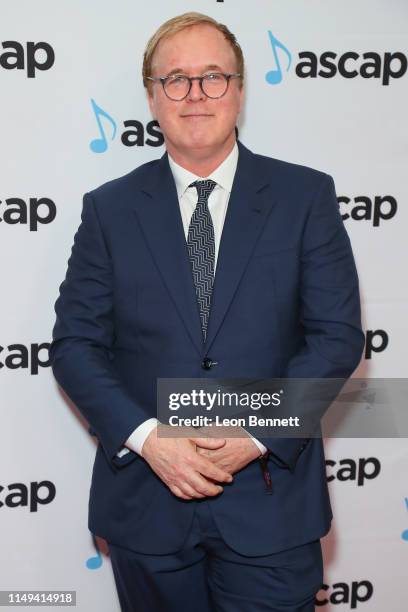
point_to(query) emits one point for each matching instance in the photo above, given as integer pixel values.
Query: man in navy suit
(211, 262)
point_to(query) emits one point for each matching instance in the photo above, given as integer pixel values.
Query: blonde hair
(176, 24)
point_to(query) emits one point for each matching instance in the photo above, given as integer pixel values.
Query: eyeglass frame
(228, 76)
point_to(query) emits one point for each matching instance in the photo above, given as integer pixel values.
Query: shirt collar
(223, 175)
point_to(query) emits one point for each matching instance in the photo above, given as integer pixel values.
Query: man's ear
(242, 98)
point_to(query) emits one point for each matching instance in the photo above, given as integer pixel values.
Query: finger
(210, 470)
(207, 451)
(191, 490)
(204, 487)
(209, 442)
(178, 492)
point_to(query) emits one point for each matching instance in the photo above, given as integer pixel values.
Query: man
(210, 262)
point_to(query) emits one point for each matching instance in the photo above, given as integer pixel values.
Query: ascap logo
(353, 471)
(134, 136)
(362, 208)
(29, 56)
(343, 593)
(30, 357)
(35, 212)
(31, 496)
(347, 64)
(376, 342)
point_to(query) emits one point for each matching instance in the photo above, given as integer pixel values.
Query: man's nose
(196, 93)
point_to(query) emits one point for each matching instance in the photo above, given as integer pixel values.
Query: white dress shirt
(217, 205)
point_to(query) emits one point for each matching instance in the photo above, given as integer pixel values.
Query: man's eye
(179, 78)
(213, 76)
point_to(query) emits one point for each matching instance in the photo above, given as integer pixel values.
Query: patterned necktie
(201, 249)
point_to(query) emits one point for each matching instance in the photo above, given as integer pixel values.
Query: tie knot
(204, 188)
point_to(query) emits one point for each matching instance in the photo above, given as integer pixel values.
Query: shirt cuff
(259, 444)
(138, 436)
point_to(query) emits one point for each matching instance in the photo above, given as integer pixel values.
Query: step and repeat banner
(327, 87)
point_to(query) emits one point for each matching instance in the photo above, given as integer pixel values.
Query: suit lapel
(161, 223)
(248, 207)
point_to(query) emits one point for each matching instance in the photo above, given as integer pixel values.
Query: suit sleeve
(329, 309)
(83, 337)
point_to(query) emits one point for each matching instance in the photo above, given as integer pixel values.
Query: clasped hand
(195, 467)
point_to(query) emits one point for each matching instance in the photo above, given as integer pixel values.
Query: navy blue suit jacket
(285, 304)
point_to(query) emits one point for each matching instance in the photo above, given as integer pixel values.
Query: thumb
(209, 442)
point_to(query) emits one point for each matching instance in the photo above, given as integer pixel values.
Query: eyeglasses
(178, 86)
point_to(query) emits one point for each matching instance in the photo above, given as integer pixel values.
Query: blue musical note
(273, 77)
(94, 563)
(404, 534)
(99, 145)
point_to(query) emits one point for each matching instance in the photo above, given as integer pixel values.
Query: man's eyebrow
(205, 69)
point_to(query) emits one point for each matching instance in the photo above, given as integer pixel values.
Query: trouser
(208, 576)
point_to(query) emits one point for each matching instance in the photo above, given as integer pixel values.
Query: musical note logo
(404, 534)
(100, 145)
(95, 562)
(273, 77)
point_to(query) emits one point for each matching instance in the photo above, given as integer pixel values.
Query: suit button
(207, 363)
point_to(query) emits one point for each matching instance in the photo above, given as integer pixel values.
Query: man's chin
(199, 141)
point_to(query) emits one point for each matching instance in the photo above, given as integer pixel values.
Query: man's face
(197, 123)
